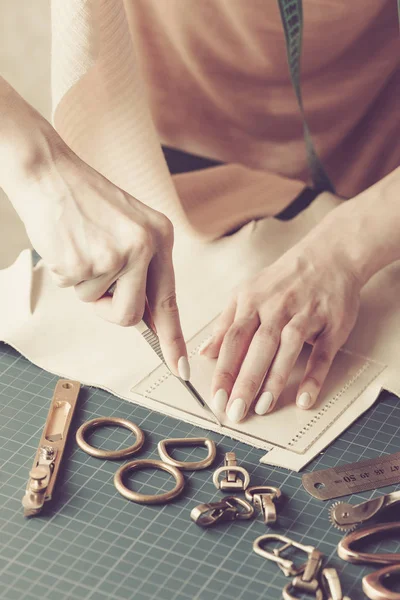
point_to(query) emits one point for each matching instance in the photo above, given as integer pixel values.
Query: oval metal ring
(373, 584)
(109, 454)
(346, 551)
(136, 465)
(185, 465)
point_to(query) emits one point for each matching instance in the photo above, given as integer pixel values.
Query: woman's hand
(89, 232)
(308, 295)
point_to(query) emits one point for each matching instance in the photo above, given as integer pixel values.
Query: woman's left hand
(310, 294)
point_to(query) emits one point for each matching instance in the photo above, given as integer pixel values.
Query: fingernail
(220, 400)
(264, 403)
(184, 368)
(205, 345)
(236, 410)
(304, 400)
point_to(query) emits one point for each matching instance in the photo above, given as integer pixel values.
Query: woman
(218, 86)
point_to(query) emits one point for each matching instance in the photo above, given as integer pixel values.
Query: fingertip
(264, 404)
(305, 401)
(184, 368)
(237, 410)
(220, 400)
(205, 345)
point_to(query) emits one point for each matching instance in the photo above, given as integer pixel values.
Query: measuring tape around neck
(292, 21)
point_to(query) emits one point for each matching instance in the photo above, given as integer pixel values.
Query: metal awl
(146, 329)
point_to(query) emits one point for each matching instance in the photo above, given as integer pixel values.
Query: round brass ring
(109, 454)
(136, 465)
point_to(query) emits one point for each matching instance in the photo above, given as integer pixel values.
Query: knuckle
(165, 227)
(268, 333)
(294, 332)
(322, 358)
(251, 385)
(143, 242)
(169, 304)
(224, 378)
(79, 270)
(248, 300)
(313, 381)
(111, 262)
(277, 380)
(128, 320)
(234, 335)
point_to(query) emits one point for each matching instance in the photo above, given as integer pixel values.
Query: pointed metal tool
(147, 330)
(152, 339)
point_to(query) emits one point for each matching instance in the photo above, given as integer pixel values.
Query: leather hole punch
(185, 465)
(136, 465)
(228, 509)
(109, 454)
(265, 498)
(232, 481)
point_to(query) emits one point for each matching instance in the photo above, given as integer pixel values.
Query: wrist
(362, 233)
(28, 143)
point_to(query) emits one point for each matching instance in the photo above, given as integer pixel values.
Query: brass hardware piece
(137, 465)
(373, 584)
(232, 482)
(228, 509)
(46, 464)
(306, 576)
(265, 498)
(185, 465)
(310, 567)
(346, 552)
(109, 454)
(346, 516)
(331, 585)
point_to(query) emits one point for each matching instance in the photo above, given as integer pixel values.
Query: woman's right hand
(90, 233)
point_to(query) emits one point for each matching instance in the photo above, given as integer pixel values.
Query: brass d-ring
(186, 465)
(136, 465)
(109, 454)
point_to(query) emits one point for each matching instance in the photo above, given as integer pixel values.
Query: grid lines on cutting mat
(94, 545)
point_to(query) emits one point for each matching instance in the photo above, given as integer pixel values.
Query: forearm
(364, 233)
(27, 141)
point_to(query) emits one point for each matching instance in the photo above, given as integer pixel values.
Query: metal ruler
(353, 478)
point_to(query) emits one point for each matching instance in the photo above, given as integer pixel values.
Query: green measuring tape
(292, 20)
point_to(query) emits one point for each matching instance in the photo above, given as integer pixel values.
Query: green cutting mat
(95, 545)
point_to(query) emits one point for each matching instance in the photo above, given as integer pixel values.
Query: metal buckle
(231, 481)
(309, 568)
(228, 509)
(265, 497)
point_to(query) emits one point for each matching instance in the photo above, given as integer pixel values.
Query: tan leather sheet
(56, 331)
